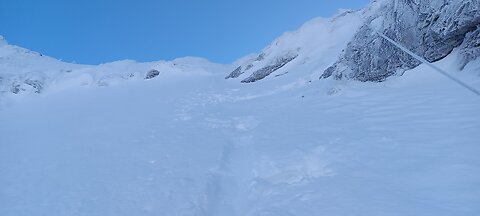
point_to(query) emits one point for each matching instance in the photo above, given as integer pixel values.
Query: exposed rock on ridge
(267, 70)
(259, 73)
(430, 28)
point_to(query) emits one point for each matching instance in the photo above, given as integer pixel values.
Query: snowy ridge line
(477, 92)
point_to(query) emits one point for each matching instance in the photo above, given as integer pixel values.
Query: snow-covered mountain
(430, 28)
(177, 138)
(316, 44)
(23, 72)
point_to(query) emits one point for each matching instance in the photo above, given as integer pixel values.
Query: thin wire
(477, 92)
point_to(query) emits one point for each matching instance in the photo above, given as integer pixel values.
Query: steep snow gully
(177, 138)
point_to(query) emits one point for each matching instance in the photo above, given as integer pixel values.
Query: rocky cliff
(430, 28)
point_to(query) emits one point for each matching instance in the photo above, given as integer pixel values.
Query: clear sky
(98, 31)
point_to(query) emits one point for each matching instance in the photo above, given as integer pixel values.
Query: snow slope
(196, 145)
(103, 140)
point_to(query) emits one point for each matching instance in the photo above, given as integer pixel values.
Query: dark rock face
(448, 26)
(470, 49)
(429, 28)
(236, 73)
(267, 70)
(152, 74)
(19, 85)
(35, 84)
(243, 68)
(16, 88)
(263, 65)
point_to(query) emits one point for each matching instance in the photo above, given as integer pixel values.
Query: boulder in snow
(152, 74)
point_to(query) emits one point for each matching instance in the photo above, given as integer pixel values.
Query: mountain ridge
(443, 26)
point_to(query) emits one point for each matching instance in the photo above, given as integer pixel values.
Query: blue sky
(98, 31)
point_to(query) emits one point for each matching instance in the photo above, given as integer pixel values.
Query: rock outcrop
(429, 28)
(267, 70)
(152, 74)
(470, 49)
(261, 67)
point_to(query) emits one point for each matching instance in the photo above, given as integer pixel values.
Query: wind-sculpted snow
(197, 145)
(430, 28)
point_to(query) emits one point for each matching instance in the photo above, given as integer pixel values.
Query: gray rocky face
(236, 73)
(267, 70)
(30, 82)
(247, 66)
(262, 66)
(152, 74)
(470, 49)
(429, 28)
(16, 88)
(37, 85)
